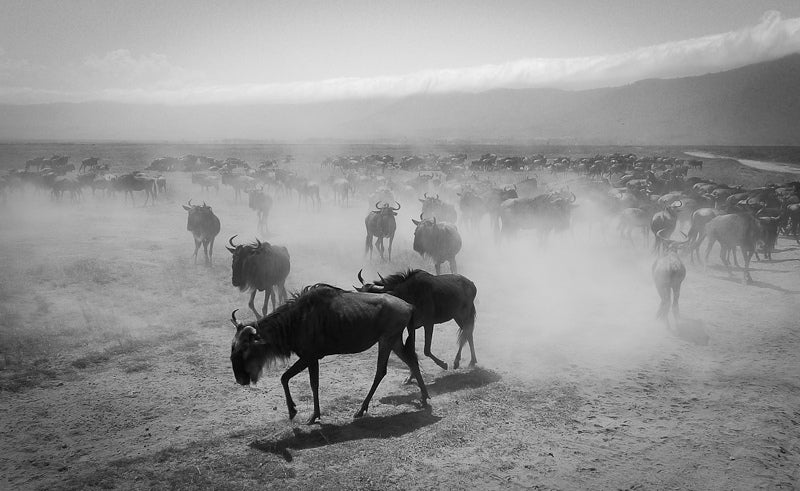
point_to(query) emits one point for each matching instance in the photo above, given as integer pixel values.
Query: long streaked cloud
(123, 77)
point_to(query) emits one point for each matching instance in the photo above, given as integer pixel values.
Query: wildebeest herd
(504, 196)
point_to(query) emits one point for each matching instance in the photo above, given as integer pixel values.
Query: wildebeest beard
(238, 278)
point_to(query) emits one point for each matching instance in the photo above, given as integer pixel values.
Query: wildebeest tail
(468, 326)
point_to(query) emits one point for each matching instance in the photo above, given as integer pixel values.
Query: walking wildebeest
(324, 320)
(440, 241)
(733, 230)
(261, 202)
(436, 299)
(666, 221)
(260, 267)
(436, 208)
(380, 223)
(668, 274)
(204, 226)
(137, 182)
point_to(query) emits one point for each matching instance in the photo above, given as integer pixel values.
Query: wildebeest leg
(663, 309)
(269, 291)
(438, 267)
(384, 349)
(467, 328)
(747, 255)
(368, 245)
(313, 375)
(273, 296)
(409, 357)
(210, 250)
(205, 252)
(293, 370)
(676, 294)
(252, 304)
(428, 339)
(391, 239)
(196, 248)
(453, 265)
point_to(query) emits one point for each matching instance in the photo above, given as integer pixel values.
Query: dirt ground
(116, 371)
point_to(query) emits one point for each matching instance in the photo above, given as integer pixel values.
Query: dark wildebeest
(261, 202)
(260, 267)
(380, 223)
(440, 241)
(322, 321)
(668, 274)
(137, 182)
(697, 229)
(204, 226)
(472, 207)
(436, 299)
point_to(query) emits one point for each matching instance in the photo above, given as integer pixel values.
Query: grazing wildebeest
(436, 299)
(322, 321)
(440, 241)
(260, 267)
(261, 202)
(204, 226)
(137, 182)
(733, 230)
(668, 274)
(380, 224)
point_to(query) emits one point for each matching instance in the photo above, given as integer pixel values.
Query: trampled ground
(116, 374)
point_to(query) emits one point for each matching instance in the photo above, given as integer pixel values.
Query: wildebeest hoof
(359, 414)
(292, 412)
(456, 364)
(472, 363)
(313, 419)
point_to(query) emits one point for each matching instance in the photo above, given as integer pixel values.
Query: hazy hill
(753, 105)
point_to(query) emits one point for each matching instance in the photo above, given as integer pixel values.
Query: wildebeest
(380, 223)
(89, 163)
(206, 182)
(137, 182)
(733, 230)
(440, 241)
(545, 213)
(697, 229)
(665, 221)
(204, 226)
(260, 267)
(668, 274)
(261, 202)
(436, 299)
(472, 207)
(436, 208)
(322, 321)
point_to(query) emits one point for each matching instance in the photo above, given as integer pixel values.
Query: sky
(239, 52)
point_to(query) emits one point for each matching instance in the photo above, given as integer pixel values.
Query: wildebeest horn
(420, 217)
(382, 279)
(190, 201)
(230, 241)
(233, 319)
(573, 197)
(259, 243)
(360, 278)
(204, 204)
(437, 195)
(426, 195)
(662, 237)
(398, 206)
(377, 203)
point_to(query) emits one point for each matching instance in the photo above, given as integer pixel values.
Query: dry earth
(115, 369)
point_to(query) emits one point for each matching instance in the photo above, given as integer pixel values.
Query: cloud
(120, 68)
(124, 77)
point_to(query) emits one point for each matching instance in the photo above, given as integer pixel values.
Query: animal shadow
(757, 284)
(692, 331)
(328, 434)
(451, 382)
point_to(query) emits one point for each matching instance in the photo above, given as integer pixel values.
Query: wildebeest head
(387, 209)
(376, 287)
(241, 254)
(198, 215)
(250, 352)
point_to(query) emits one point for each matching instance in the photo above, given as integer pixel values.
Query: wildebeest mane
(392, 281)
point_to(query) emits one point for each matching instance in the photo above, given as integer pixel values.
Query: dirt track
(577, 386)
